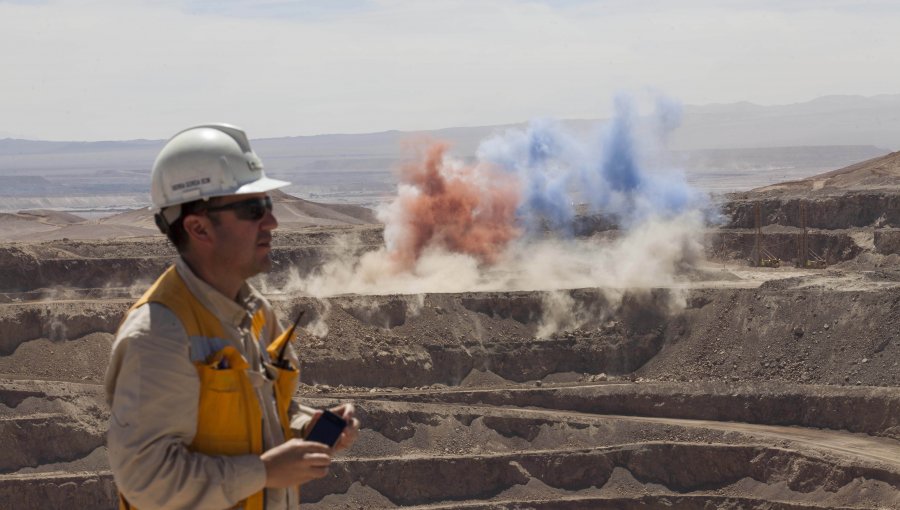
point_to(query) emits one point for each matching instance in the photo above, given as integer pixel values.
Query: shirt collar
(224, 308)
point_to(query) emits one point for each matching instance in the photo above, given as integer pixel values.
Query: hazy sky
(123, 69)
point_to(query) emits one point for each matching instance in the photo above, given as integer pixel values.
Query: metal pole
(758, 237)
(804, 240)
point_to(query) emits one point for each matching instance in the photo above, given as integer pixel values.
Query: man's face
(242, 245)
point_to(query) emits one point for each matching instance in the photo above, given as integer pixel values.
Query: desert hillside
(46, 225)
(881, 174)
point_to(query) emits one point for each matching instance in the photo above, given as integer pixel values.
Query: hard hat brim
(260, 185)
(172, 212)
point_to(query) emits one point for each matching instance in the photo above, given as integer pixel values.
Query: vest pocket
(229, 421)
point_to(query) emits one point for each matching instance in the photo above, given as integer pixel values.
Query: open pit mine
(744, 383)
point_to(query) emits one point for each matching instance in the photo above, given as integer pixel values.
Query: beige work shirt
(153, 391)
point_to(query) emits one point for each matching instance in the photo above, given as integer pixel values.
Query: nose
(269, 222)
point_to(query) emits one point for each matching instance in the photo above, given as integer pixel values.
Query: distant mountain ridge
(881, 111)
(827, 120)
(17, 146)
(715, 142)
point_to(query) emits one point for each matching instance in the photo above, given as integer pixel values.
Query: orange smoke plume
(465, 209)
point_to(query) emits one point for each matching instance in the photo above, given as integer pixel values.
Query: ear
(199, 228)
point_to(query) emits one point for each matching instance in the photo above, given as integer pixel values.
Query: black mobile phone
(327, 428)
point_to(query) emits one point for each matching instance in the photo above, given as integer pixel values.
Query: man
(200, 381)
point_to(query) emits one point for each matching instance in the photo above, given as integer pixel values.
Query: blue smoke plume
(605, 170)
(542, 156)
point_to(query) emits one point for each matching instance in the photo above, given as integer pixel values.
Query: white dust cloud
(647, 257)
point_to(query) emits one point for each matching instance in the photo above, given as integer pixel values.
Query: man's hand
(295, 462)
(351, 431)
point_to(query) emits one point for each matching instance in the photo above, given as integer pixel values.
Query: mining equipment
(806, 257)
(764, 258)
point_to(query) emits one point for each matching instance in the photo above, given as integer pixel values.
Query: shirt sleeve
(300, 418)
(153, 389)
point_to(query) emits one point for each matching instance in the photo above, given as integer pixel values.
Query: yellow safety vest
(229, 419)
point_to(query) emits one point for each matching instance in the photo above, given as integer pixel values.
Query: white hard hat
(202, 162)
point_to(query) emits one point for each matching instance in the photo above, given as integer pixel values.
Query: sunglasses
(252, 209)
